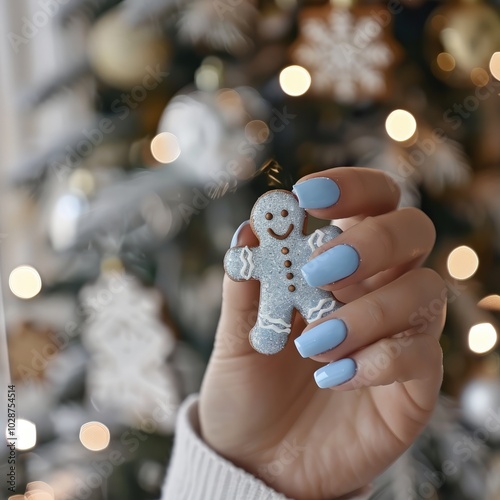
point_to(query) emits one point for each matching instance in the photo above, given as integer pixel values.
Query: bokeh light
(400, 125)
(94, 436)
(25, 433)
(462, 262)
(445, 61)
(490, 302)
(479, 77)
(295, 80)
(165, 147)
(495, 65)
(38, 490)
(25, 282)
(482, 338)
(257, 132)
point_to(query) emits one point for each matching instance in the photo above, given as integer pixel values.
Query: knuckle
(375, 310)
(382, 234)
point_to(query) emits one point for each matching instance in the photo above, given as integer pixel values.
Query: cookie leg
(319, 304)
(274, 324)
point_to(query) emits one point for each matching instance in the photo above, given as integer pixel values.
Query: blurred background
(135, 138)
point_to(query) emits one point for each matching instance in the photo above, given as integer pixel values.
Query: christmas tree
(136, 138)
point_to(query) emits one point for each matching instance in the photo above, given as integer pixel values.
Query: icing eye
(284, 213)
(269, 216)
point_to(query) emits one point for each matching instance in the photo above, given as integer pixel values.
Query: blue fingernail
(335, 373)
(318, 192)
(234, 240)
(328, 267)
(321, 338)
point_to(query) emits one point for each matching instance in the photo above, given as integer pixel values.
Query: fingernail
(335, 373)
(328, 267)
(319, 192)
(321, 338)
(234, 240)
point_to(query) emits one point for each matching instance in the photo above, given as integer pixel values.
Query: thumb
(240, 301)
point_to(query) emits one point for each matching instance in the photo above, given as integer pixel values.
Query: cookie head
(276, 216)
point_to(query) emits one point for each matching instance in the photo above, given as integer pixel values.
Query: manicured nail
(234, 240)
(318, 192)
(328, 267)
(321, 338)
(335, 373)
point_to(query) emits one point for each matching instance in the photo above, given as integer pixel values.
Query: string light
(25, 282)
(94, 436)
(462, 262)
(400, 125)
(495, 65)
(295, 80)
(165, 147)
(482, 338)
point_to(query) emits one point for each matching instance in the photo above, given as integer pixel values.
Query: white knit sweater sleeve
(196, 472)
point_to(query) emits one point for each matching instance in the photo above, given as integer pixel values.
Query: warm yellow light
(446, 61)
(400, 125)
(495, 65)
(462, 262)
(257, 132)
(491, 302)
(482, 338)
(165, 147)
(479, 77)
(94, 436)
(295, 80)
(38, 490)
(25, 282)
(25, 433)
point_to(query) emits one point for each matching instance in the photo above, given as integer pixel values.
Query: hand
(267, 414)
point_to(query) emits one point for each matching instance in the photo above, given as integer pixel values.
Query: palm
(303, 441)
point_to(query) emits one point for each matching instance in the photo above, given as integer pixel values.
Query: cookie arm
(322, 236)
(239, 263)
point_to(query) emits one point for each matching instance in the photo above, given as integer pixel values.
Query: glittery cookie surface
(278, 222)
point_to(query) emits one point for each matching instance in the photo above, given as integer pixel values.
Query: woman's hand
(267, 413)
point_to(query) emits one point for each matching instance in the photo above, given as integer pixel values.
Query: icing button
(288, 263)
(289, 276)
(291, 288)
(284, 250)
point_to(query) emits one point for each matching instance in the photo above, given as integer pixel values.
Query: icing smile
(281, 236)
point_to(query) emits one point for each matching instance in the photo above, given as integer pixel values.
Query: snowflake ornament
(347, 52)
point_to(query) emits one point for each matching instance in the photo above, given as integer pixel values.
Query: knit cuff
(196, 472)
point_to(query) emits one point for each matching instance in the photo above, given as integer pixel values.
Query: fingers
(414, 302)
(415, 360)
(347, 191)
(391, 335)
(376, 244)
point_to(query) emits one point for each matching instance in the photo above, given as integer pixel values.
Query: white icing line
(320, 310)
(275, 322)
(319, 235)
(246, 258)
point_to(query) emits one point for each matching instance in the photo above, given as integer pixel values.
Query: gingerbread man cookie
(278, 222)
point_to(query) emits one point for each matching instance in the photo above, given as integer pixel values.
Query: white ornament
(345, 55)
(129, 346)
